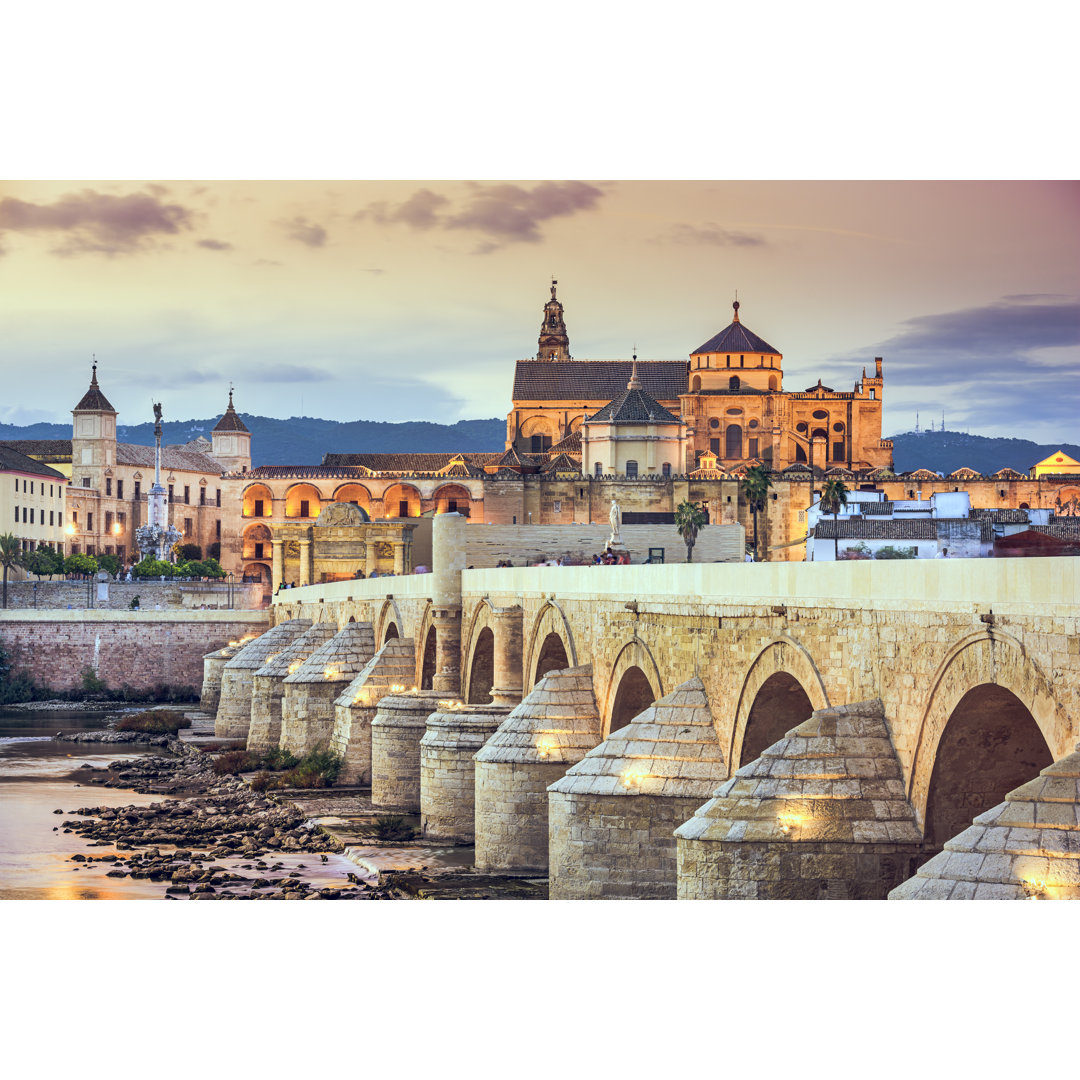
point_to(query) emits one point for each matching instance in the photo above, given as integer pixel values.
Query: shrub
(91, 684)
(857, 551)
(890, 552)
(318, 768)
(278, 759)
(14, 688)
(152, 568)
(134, 605)
(154, 722)
(189, 552)
(80, 564)
(393, 827)
(109, 563)
(213, 551)
(263, 781)
(236, 761)
(44, 561)
(212, 568)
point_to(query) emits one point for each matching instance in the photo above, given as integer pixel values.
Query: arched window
(772, 382)
(734, 382)
(733, 441)
(631, 470)
(697, 383)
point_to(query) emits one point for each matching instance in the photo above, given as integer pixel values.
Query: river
(39, 775)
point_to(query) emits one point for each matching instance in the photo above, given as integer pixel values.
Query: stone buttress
(307, 705)
(399, 725)
(268, 685)
(1026, 848)
(213, 665)
(234, 708)
(821, 815)
(447, 770)
(612, 816)
(391, 670)
(552, 729)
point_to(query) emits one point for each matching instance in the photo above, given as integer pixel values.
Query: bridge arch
(770, 696)
(634, 684)
(388, 622)
(425, 649)
(988, 702)
(550, 622)
(478, 652)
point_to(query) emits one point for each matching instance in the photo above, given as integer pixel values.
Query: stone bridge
(976, 662)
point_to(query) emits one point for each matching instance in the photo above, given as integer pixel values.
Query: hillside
(945, 451)
(303, 441)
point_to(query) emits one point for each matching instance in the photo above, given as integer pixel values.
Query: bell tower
(232, 440)
(554, 343)
(93, 437)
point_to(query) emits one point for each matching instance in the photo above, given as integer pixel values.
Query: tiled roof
(877, 529)
(230, 421)
(561, 463)
(570, 445)
(1002, 516)
(1064, 528)
(633, 407)
(54, 448)
(1009, 474)
(12, 461)
(735, 338)
(964, 473)
(172, 457)
(94, 400)
(406, 463)
(596, 380)
(921, 474)
(877, 509)
(252, 656)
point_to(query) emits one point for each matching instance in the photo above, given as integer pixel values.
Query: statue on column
(615, 517)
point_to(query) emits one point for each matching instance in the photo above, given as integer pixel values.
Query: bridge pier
(821, 815)
(213, 665)
(399, 725)
(508, 633)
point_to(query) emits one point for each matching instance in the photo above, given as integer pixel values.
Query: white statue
(615, 517)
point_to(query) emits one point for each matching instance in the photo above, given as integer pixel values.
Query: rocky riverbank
(212, 819)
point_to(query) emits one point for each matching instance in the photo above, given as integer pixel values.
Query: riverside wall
(140, 649)
(169, 595)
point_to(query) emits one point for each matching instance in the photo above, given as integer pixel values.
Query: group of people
(612, 558)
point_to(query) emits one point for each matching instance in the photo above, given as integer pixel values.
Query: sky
(396, 300)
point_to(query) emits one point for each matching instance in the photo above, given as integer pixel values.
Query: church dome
(735, 338)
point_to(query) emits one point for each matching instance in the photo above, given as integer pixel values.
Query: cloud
(305, 232)
(1009, 365)
(710, 233)
(90, 222)
(214, 245)
(503, 213)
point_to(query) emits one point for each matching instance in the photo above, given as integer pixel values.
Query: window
(541, 443)
(734, 382)
(218, 501)
(598, 469)
(714, 446)
(170, 493)
(217, 529)
(733, 441)
(305, 509)
(751, 447)
(665, 469)
(258, 551)
(631, 470)
(74, 518)
(729, 360)
(202, 496)
(402, 508)
(108, 521)
(259, 508)
(138, 492)
(714, 423)
(451, 506)
(742, 361)
(16, 515)
(108, 486)
(60, 519)
(89, 526)
(121, 520)
(51, 515)
(31, 515)
(189, 526)
(24, 515)
(556, 506)
(187, 494)
(873, 394)
(31, 487)
(85, 482)
(119, 489)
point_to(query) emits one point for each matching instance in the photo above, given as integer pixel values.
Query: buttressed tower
(554, 344)
(232, 441)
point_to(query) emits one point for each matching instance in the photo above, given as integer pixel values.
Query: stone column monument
(157, 537)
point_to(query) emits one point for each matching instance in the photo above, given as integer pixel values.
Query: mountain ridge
(303, 440)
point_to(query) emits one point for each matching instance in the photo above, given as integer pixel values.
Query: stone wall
(141, 649)
(522, 544)
(170, 595)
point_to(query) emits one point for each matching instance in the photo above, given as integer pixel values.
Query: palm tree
(834, 495)
(10, 555)
(755, 490)
(689, 517)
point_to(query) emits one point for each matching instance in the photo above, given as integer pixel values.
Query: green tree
(755, 490)
(80, 564)
(109, 563)
(189, 552)
(44, 561)
(10, 556)
(152, 568)
(689, 518)
(212, 568)
(834, 495)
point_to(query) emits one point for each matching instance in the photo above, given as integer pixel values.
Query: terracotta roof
(230, 421)
(54, 448)
(735, 338)
(172, 457)
(12, 461)
(596, 380)
(405, 462)
(570, 445)
(562, 463)
(94, 400)
(633, 406)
